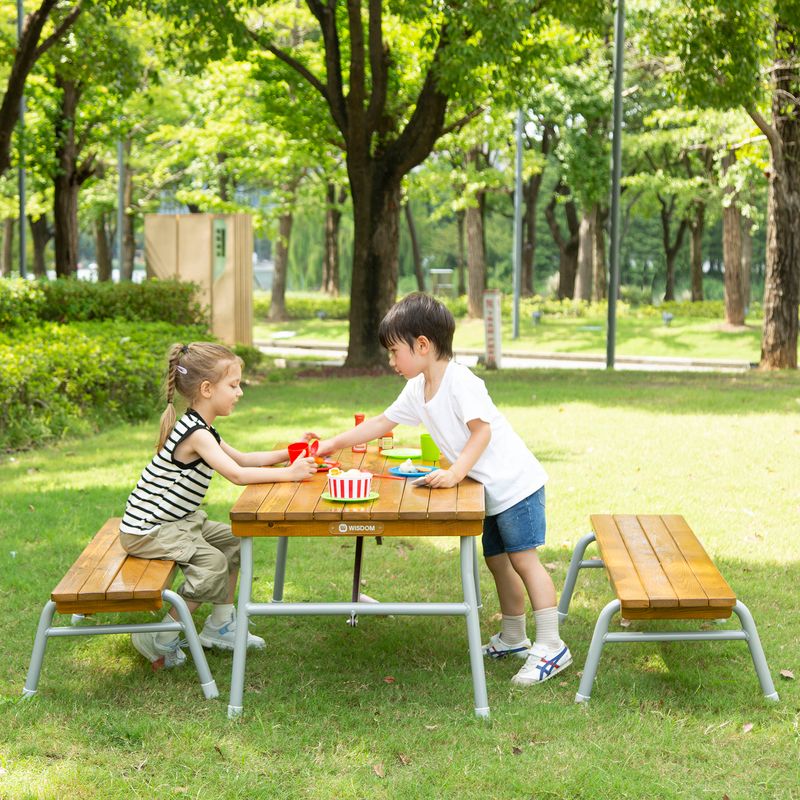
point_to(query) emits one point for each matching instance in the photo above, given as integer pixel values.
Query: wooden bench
(658, 570)
(104, 578)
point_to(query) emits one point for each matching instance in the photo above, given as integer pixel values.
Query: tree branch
(460, 123)
(768, 130)
(379, 65)
(60, 29)
(326, 16)
(357, 93)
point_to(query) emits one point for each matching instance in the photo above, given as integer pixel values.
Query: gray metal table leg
(39, 644)
(235, 705)
(476, 568)
(756, 650)
(473, 627)
(280, 569)
(207, 682)
(595, 649)
(576, 563)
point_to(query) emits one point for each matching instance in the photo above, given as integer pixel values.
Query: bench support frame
(185, 626)
(601, 634)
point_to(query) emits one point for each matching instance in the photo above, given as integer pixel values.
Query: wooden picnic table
(288, 510)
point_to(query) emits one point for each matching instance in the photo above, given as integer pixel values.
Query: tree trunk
(65, 225)
(128, 217)
(583, 277)
(732, 251)
(747, 260)
(567, 246)
(531, 195)
(697, 226)
(670, 249)
(333, 216)
(40, 236)
(476, 258)
(277, 308)
(102, 249)
(600, 281)
(462, 261)
(415, 253)
(8, 247)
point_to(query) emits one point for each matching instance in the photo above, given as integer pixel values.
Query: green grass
(665, 721)
(636, 336)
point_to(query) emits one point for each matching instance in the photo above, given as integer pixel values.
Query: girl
(163, 517)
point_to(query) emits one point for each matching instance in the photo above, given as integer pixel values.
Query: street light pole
(517, 228)
(21, 148)
(616, 176)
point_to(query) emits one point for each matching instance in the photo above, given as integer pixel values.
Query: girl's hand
(441, 479)
(302, 468)
(325, 447)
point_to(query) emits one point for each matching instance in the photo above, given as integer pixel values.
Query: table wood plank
(719, 593)
(618, 564)
(387, 506)
(276, 501)
(414, 504)
(650, 571)
(246, 507)
(471, 500)
(442, 502)
(680, 575)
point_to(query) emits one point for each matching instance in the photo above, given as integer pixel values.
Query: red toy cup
(297, 450)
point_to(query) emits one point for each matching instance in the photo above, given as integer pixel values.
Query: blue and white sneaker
(225, 636)
(160, 656)
(497, 648)
(542, 666)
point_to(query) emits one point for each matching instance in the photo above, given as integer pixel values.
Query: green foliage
(61, 378)
(705, 309)
(21, 302)
(252, 357)
(151, 301)
(306, 307)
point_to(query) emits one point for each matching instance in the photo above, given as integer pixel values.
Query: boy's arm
(480, 436)
(365, 432)
(206, 446)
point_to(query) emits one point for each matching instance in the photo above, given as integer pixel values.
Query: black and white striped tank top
(169, 489)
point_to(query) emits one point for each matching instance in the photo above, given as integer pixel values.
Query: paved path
(333, 354)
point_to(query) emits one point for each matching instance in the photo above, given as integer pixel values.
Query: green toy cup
(430, 452)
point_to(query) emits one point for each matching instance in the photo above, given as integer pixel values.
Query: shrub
(151, 301)
(305, 307)
(58, 378)
(21, 302)
(251, 356)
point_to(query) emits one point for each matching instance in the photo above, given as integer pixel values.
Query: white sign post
(492, 327)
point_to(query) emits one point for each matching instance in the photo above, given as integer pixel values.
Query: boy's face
(410, 361)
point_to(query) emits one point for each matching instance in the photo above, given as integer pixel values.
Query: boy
(456, 409)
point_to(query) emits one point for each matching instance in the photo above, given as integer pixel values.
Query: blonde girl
(163, 518)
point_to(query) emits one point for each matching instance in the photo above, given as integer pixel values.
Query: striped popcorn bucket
(350, 487)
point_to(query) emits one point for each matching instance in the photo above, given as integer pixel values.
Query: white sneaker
(497, 648)
(542, 666)
(224, 637)
(159, 655)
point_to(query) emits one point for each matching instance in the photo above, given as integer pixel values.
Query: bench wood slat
(70, 585)
(156, 577)
(618, 564)
(719, 593)
(680, 575)
(646, 563)
(102, 576)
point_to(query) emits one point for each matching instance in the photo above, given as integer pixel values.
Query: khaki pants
(207, 552)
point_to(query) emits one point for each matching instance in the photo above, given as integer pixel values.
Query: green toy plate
(368, 499)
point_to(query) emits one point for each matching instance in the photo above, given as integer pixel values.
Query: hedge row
(56, 379)
(22, 302)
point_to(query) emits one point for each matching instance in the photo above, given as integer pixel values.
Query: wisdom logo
(368, 528)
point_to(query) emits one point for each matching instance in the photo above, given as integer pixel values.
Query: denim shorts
(521, 527)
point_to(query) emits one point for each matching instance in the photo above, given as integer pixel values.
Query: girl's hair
(188, 366)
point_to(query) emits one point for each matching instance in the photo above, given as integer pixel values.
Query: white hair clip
(182, 370)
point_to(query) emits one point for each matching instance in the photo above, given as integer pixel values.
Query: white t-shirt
(508, 471)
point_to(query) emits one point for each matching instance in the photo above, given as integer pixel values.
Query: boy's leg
(512, 639)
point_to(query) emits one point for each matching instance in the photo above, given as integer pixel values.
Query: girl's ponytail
(169, 417)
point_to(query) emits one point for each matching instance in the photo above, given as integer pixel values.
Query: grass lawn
(678, 720)
(645, 336)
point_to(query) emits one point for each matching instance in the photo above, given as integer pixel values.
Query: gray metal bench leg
(476, 569)
(756, 650)
(39, 645)
(595, 650)
(575, 564)
(207, 682)
(280, 569)
(473, 628)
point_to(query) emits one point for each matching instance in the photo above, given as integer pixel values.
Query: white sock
(165, 637)
(221, 614)
(547, 636)
(513, 630)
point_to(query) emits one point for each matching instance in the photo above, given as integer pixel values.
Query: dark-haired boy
(476, 438)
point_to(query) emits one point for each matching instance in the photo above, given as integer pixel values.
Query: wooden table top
(275, 509)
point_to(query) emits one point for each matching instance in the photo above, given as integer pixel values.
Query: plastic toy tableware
(331, 499)
(297, 450)
(430, 452)
(416, 472)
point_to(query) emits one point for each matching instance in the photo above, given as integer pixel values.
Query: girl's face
(225, 393)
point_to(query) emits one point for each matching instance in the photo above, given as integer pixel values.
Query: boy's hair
(189, 365)
(419, 314)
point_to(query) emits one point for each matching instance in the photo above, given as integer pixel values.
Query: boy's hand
(302, 468)
(441, 479)
(308, 436)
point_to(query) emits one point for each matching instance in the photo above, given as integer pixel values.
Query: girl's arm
(480, 436)
(261, 458)
(206, 446)
(365, 432)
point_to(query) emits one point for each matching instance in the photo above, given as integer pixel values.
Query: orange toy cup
(297, 450)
